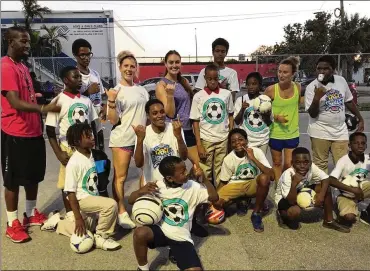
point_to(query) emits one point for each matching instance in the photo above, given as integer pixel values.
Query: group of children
(233, 167)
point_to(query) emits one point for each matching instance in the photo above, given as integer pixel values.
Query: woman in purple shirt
(175, 93)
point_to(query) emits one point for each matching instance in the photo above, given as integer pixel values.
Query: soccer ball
(351, 181)
(92, 182)
(352, 122)
(214, 111)
(254, 119)
(215, 216)
(82, 244)
(262, 104)
(306, 198)
(79, 115)
(246, 173)
(174, 212)
(147, 210)
(360, 176)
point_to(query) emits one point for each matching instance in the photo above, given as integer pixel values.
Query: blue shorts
(190, 139)
(280, 144)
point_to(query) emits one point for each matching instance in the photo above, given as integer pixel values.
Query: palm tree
(32, 10)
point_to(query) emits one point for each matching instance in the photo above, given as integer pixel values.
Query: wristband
(111, 101)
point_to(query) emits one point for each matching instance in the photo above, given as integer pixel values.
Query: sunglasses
(88, 55)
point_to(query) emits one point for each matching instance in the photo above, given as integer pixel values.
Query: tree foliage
(52, 39)
(32, 10)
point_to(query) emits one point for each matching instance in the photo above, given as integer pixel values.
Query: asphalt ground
(232, 245)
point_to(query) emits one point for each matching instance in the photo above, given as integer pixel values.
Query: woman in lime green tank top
(284, 131)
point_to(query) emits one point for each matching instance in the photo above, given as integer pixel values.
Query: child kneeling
(82, 189)
(175, 191)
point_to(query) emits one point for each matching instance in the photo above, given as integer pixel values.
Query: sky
(258, 22)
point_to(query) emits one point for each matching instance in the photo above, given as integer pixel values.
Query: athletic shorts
(129, 149)
(184, 252)
(280, 144)
(190, 140)
(23, 160)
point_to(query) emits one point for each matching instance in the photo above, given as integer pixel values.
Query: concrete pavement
(231, 246)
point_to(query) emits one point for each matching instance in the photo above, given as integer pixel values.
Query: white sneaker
(125, 221)
(107, 244)
(51, 223)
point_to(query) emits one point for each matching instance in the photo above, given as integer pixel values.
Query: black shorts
(190, 140)
(184, 252)
(23, 160)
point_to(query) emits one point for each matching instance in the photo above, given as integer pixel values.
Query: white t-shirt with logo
(156, 147)
(228, 74)
(345, 167)
(313, 176)
(130, 107)
(179, 205)
(257, 130)
(330, 123)
(240, 169)
(81, 176)
(87, 80)
(73, 110)
(212, 111)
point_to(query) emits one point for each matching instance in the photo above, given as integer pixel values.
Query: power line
(147, 3)
(217, 16)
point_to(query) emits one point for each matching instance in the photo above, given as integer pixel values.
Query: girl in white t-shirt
(254, 123)
(126, 107)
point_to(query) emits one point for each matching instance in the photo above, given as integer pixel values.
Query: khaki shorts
(349, 206)
(236, 190)
(62, 170)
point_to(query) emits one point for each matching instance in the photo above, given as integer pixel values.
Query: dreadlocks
(75, 132)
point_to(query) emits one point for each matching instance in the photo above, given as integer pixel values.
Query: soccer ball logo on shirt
(360, 174)
(89, 182)
(77, 113)
(175, 212)
(214, 111)
(253, 120)
(158, 153)
(245, 172)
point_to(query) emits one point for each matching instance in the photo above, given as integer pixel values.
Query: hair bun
(294, 59)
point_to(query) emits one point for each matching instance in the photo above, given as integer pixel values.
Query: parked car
(268, 81)
(151, 83)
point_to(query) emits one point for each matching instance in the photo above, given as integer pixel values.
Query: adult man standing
(92, 86)
(23, 154)
(228, 78)
(326, 99)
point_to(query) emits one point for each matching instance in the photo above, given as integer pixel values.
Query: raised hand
(319, 92)
(170, 89)
(149, 188)
(177, 126)
(140, 131)
(112, 94)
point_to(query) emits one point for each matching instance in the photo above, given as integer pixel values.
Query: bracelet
(111, 101)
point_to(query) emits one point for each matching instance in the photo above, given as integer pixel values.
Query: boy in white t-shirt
(355, 163)
(157, 141)
(212, 115)
(303, 174)
(75, 108)
(227, 77)
(254, 123)
(81, 187)
(245, 172)
(177, 191)
(92, 86)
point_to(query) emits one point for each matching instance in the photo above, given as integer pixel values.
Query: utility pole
(344, 59)
(196, 46)
(342, 11)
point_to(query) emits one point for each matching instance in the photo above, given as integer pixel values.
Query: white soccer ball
(82, 244)
(147, 210)
(79, 115)
(351, 181)
(214, 111)
(254, 119)
(92, 182)
(262, 103)
(306, 198)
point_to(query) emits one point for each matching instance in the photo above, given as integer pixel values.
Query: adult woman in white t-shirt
(126, 107)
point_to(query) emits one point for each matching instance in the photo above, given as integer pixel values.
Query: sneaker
(125, 221)
(37, 219)
(107, 244)
(257, 222)
(17, 233)
(171, 257)
(242, 207)
(365, 217)
(286, 223)
(334, 225)
(52, 222)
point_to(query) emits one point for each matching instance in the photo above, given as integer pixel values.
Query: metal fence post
(338, 64)
(256, 63)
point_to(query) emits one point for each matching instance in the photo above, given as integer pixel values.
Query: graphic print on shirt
(361, 174)
(214, 111)
(89, 182)
(222, 79)
(158, 153)
(334, 101)
(175, 212)
(253, 120)
(77, 113)
(95, 98)
(245, 172)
